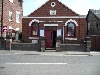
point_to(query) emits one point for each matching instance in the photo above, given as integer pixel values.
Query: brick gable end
(61, 10)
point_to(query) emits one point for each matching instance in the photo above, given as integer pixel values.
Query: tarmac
(49, 52)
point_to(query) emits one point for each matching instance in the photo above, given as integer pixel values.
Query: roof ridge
(95, 14)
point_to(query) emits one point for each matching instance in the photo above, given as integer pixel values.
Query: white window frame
(59, 32)
(71, 32)
(17, 17)
(10, 16)
(11, 1)
(53, 3)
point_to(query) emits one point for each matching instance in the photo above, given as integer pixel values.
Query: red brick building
(12, 17)
(54, 20)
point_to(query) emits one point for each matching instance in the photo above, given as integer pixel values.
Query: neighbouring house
(93, 22)
(54, 20)
(11, 12)
(93, 29)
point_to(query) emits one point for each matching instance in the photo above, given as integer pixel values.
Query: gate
(95, 43)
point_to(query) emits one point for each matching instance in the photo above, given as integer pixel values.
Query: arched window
(71, 29)
(34, 29)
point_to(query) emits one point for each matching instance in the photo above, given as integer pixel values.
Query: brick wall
(26, 47)
(80, 29)
(73, 47)
(83, 28)
(13, 7)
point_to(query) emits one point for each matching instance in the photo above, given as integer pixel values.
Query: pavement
(48, 52)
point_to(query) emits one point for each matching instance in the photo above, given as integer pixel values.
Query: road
(49, 65)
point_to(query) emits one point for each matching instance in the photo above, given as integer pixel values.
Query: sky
(79, 6)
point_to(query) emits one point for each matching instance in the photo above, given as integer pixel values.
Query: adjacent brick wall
(26, 47)
(73, 47)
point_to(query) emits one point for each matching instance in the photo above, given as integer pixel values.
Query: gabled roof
(61, 10)
(96, 13)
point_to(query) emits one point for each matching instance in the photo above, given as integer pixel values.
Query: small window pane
(71, 29)
(42, 32)
(10, 16)
(17, 17)
(88, 26)
(59, 32)
(34, 28)
(34, 32)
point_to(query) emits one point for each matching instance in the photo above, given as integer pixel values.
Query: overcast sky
(79, 6)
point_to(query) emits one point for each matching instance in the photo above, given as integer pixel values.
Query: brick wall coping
(94, 35)
(22, 43)
(72, 44)
(34, 38)
(88, 41)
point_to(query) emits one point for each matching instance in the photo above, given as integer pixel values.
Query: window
(11, 1)
(10, 16)
(88, 25)
(71, 29)
(59, 32)
(97, 26)
(34, 28)
(17, 17)
(53, 4)
(52, 12)
(42, 32)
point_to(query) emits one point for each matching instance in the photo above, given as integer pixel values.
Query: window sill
(36, 38)
(10, 20)
(71, 38)
(17, 22)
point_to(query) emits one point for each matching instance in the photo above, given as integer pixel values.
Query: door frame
(51, 29)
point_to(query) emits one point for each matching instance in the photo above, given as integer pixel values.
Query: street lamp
(2, 18)
(1, 38)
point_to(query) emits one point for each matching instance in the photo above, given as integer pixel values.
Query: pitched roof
(96, 13)
(61, 10)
